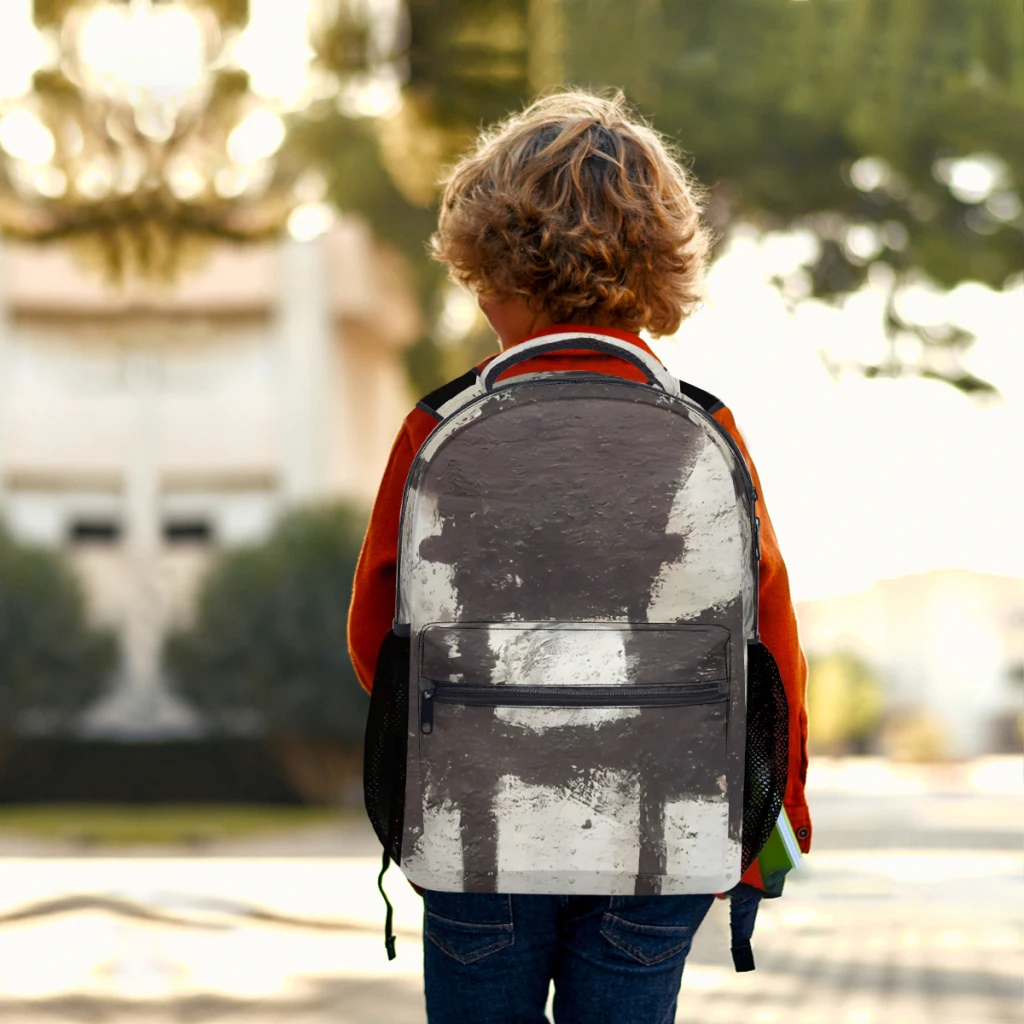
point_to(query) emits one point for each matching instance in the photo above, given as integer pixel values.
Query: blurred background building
(947, 651)
(141, 429)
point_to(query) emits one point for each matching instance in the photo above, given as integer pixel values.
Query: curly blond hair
(579, 206)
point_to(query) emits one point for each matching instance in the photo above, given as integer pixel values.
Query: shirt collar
(607, 332)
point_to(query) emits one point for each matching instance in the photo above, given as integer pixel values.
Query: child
(572, 214)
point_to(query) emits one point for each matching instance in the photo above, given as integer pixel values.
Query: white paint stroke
(435, 860)
(428, 587)
(542, 656)
(710, 571)
(591, 824)
(697, 843)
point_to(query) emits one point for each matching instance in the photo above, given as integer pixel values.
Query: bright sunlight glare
(972, 179)
(156, 51)
(310, 220)
(842, 461)
(25, 137)
(375, 95)
(22, 49)
(256, 137)
(274, 50)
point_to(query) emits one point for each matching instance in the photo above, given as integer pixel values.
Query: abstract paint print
(577, 572)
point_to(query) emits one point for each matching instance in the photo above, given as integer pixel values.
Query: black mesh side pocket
(767, 764)
(386, 737)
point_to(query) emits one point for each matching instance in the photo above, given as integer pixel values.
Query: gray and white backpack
(567, 701)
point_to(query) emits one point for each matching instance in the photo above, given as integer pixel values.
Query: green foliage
(348, 151)
(469, 63)
(826, 115)
(777, 100)
(844, 703)
(839, 116)
(269, 636)
(52, 663)
(469, 60)
(118, 825)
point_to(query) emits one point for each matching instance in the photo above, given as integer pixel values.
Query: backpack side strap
(443, 401)
(742, 914)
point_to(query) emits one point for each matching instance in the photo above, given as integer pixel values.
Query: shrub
(268, 647)
(53, 664)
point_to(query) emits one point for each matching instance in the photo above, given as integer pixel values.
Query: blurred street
(908, 912)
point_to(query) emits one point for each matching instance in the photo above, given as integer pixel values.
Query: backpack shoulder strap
(707, 401)
(443, 401)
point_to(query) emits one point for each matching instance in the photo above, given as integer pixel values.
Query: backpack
(565, 701)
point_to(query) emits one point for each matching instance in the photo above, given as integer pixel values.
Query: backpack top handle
(656, 374)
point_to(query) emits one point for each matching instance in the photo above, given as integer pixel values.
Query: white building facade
(948, 642)
(141, 431)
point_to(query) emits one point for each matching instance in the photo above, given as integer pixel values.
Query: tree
(53, 664)
(891, 129)
(468, 63)
(267, 646)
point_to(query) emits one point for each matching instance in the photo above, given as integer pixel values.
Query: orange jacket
(373, 593)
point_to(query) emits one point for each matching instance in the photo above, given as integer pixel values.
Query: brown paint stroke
(555, 509)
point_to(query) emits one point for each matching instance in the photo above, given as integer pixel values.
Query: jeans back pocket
(468, 926)
(647, 944)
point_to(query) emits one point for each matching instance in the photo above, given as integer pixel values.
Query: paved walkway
(909, 912)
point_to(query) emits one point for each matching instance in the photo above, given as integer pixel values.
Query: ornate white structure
(142, 431)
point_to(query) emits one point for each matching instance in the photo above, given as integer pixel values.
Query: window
(188, 531)
(94, 530)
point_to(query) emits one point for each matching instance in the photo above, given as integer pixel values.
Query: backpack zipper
(659, 695)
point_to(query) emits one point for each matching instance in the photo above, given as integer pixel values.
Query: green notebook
(780, 854)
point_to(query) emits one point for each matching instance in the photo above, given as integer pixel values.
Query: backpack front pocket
(574, 757)
(665, 695)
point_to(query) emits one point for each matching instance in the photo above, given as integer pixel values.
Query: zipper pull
(427, 708)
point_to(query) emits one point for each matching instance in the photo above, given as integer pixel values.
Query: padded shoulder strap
(648, 364)
(443, 401)
(707, 401)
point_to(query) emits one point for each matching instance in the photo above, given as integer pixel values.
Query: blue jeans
(489, 958)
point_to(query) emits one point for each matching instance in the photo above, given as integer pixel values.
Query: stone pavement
(908, 912)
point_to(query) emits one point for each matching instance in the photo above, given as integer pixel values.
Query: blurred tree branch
(892, 129)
